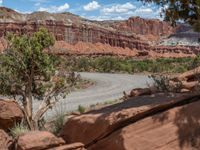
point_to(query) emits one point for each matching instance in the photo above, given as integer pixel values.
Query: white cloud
(119, 8)
(91, 6)
(23, 12)
(1, 2)
(55, 9)
(124, 11)
(144, 10)
(101, 18)
(37, 4)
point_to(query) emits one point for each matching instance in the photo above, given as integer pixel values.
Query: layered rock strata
(134, 34)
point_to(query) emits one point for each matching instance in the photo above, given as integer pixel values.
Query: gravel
(107, 87)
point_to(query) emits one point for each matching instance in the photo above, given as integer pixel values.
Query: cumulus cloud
(101, 18)
(119, 8)
(23, 12)
(119, 11)
(37, 4)
(91, 6)
(55, 9)
(144, 10)
(1, 2)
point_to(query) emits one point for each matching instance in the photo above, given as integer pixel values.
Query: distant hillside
(74, 32)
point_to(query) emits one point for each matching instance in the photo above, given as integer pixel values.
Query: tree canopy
(180, 10)
(28, 72)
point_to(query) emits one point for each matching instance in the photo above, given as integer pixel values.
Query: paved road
(107, 87)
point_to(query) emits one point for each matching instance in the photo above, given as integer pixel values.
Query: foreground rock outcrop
(10, 114)
(38, 140)
(175, 129)
(144, 122)
(5, 140)
(43, 140)
(73, 146)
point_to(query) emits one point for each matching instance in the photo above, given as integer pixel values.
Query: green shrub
(130, 65)
(58, 124)
(83, 64)
(162, 84)
(81, 109)
(19, 129)
(59, 121)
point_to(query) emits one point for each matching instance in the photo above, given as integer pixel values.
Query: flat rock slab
(38, 140)
(175, 129)
(94, 125)
(73, 146)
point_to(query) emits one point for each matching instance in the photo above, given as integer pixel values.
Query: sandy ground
(107, 87)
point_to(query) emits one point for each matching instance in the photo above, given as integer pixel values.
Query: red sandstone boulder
(10, 113)
(95, 125)
(74, 146)
(5, 140)
(140, 92)
(175, 129)
(38, 140)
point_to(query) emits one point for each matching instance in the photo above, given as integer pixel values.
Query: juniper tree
(184, 10)
(28, 72)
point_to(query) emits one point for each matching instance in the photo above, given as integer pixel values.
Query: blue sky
(91, 9)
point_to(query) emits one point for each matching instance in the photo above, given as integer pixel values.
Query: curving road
(107, 87)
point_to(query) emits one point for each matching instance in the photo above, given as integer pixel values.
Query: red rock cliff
(134, 33)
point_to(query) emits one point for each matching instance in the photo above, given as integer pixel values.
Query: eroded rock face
(38, 140)
(175, 129)
(158, 122)
(132, 34)
(145, 26)
(73, 146)
(5, 140)
(74, 33)
(10, 114)
(93, 126)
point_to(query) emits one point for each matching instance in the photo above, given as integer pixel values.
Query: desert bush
(163, 84)
(81, 109)
(19, 129)
(58, 122)
(195, 63)
(130, 65)
(83, 64)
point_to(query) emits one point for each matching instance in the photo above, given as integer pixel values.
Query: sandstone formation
(5, 140)
(89, 49)
(141, 92)
(144, 122)
(38, 140)
(10, 114)
(73, 146)
(153, 29)
(175, 129)
(134, 34)
(111, 118)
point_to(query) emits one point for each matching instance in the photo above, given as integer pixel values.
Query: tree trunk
(28, 109)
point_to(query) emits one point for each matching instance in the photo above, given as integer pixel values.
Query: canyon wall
(145, 26)
(135, 33)
(73, 33)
